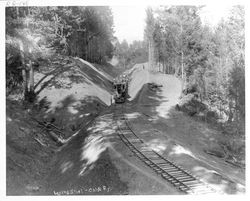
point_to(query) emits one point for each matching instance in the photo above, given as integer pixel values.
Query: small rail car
(121, 89)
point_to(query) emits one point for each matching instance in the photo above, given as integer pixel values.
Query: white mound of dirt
(82, 81)
(95, 69)
(167, 95)
(139, 77)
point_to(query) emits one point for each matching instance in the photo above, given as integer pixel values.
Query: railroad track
(168, 170)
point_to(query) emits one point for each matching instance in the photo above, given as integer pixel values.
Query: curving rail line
(168, 170)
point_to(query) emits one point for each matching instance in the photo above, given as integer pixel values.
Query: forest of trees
(176, 42)
(130, 54)
(35, 35)
(211, 59)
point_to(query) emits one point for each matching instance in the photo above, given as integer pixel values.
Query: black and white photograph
(123, 99)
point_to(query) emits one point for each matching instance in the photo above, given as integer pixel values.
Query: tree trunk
(56, 25)
(31, 89)
(17, 12)
(86, 54)
(163, 67)
(182, 65)
(89, 50)
(30, 96)
(230, 116)
(24, 72)
(124, 66)
(25, 83)
(181, 52)
(151, 54)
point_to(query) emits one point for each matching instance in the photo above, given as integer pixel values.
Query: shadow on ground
(184, 139)
(83, 165)
(70, 115)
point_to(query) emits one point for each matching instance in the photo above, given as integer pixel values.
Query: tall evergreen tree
(149, 34)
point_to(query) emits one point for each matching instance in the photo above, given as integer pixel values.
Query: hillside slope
(81, 81)
(70, 101)
(181, 138)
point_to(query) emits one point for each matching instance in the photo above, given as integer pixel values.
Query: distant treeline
(130, 54)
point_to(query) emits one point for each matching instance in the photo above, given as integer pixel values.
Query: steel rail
(168, 170)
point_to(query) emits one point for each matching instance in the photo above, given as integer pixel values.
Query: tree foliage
(36, 34)
(131, 54)
(210, 59)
